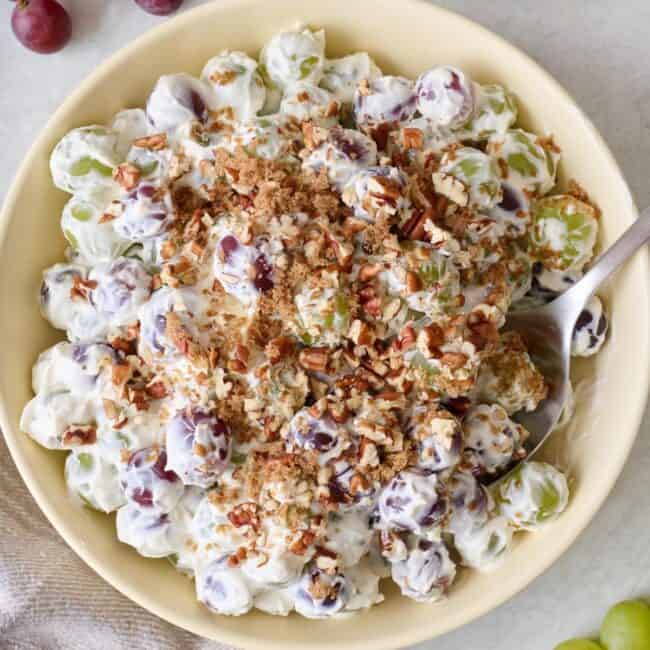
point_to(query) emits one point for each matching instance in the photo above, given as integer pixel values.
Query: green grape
(307, 65)
(626, 627)
(519, 162)
(469, 167)
(149, 168)
(72, 240)
(578, 644)
(85, 461)
(81, 214)
(237, 458)
(266, 79)
(86, 164)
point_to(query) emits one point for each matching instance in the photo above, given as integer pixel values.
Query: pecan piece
(368, 272)
(413, 282)
(314, 359)
(120, 373)
(412, 138)
(79, 434)
(81, 288)
(454, 360)
(127, 176)
(360, 333)
(302, 544)
(449, 186)
(156, 390)
(430, 339)
(244, 514)
(152, 142)
(279, 348)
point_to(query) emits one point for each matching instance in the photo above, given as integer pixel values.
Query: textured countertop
(599, 50)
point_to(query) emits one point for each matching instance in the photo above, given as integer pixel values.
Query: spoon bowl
(547, 332)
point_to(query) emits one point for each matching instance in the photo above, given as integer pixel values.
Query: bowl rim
(140, 596)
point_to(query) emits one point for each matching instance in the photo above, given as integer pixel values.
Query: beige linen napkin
(50, 600)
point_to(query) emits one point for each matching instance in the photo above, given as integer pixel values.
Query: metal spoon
(547, 331)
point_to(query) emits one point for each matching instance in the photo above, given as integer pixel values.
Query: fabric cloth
(50, 600)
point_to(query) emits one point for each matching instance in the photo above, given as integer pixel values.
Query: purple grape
(43, 26)
(159, 7)
(263, 272)
(510, 201)
(426, 572)
(198, 444)
(413, 501)
(148, 483)
(145, 215)
(122, 286)
(320, 594)
(229, 245)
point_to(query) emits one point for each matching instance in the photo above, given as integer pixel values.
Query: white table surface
(600, 51)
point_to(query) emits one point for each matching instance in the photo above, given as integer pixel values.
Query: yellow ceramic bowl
(405, 37)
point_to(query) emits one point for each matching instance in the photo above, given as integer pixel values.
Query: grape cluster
(44, 26)
(626, 626)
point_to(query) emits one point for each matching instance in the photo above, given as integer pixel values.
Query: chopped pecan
(370, 302)
(314, 359)
(156, 389)
(179, 336)
(127, 176)
(412, 138)
(405, 339)
(123, 345)
(430, 339)
(368, 272)
(338, 412)
(213, 357)
(314, 135)
(413, 282)
(302, 544)
(360, 333)
(152, 142)
(120, 373)
(79, 434)
(449, 186)
(482, 331)
(235, 365)
(138, 397)
(81, 288)
(368, 455)
(453, 360)
(358, 483)
(168, 249)
(244, 514)
(223, 78)
(242, 353)
(414, 228)
(279, 348)
(238, 557)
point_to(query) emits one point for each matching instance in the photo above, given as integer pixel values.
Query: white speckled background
(599, 50)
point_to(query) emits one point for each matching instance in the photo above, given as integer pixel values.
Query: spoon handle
(622, 249)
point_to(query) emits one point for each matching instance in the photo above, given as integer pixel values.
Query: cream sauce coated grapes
(284, 295)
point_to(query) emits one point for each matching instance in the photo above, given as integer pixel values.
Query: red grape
(41, 25)
(159, 7)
